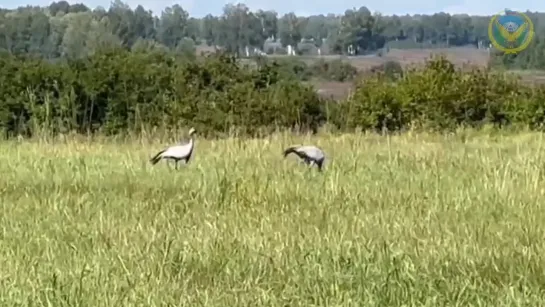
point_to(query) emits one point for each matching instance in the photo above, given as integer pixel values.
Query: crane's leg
(176, 165)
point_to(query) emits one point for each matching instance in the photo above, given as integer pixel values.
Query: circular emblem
(511, 32)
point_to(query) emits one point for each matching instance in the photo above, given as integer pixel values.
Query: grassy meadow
(410, 220)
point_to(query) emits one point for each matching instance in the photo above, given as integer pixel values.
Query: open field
(461, 57)
(533, 77)
(413, 220)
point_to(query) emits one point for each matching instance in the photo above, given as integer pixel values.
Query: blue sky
(200, 8)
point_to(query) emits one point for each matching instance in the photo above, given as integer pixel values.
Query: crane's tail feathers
(156, 158)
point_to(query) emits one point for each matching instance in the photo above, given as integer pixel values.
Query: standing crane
(177, 152)
(310, 154)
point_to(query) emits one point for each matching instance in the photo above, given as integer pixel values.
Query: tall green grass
(412, 220)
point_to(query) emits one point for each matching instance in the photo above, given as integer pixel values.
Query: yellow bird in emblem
(511, 37)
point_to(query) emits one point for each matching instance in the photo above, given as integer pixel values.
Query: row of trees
(118, 90)
(64, 30)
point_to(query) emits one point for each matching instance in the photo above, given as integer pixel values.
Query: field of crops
(412, 220)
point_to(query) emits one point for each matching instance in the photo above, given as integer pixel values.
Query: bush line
(117, 91)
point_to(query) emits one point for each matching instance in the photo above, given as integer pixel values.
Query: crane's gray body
(311, 155)
(177, 153)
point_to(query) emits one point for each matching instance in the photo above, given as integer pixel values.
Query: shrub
(289, 68)
(116, 91)
(335, 70)
(441, 97)
(307, 49)
(391, 69)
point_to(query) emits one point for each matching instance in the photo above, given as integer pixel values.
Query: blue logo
(511, 32)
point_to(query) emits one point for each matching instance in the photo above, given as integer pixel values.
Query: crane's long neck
(191, 141)
(191, 146)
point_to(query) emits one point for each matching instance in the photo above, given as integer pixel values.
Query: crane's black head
(192, 131)
(288, 150)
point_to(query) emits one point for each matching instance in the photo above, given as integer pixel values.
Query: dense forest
(62, 30)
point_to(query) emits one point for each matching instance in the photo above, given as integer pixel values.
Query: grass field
(412, 220)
